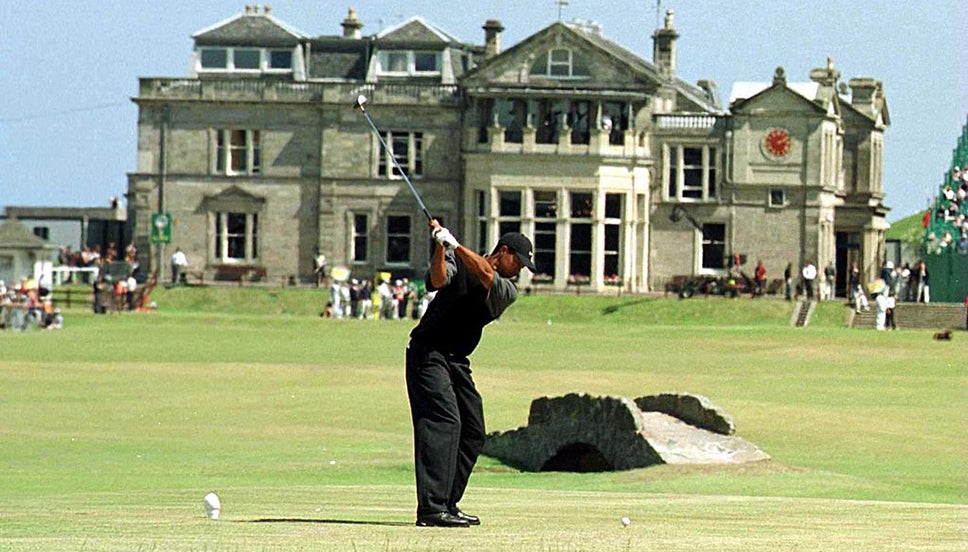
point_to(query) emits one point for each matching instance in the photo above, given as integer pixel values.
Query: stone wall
(579, 432)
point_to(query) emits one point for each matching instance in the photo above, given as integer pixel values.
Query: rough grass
(113, 429)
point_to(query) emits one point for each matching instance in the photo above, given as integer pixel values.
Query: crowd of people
(946, 223)
(398, 300)
(28, 305)
(94, 257)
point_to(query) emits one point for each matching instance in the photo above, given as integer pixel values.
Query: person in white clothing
(178, 263)
(809, 274)
(881, 301)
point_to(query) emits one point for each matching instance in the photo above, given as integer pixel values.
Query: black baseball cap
(520, 245)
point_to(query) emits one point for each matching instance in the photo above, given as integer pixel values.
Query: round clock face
(777, 143)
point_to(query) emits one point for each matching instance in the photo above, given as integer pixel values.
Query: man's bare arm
(477, 265)
(438, 267)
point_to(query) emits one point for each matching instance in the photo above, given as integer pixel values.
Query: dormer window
(246, 58)
(559, 63)
(280, 60)
(231, 59)
(404, 63)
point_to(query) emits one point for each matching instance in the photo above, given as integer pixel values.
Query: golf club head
(361, 101)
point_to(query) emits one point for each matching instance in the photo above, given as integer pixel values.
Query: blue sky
(69, 69)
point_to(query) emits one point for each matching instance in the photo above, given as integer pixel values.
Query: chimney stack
(825, 76)
(492, 37)
(864, 94)
(351, 25)
(664, 47)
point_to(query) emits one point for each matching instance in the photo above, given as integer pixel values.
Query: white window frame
(701, 250)
(411, 160)
(616, 223)
(587, 221)
(264, 64)
(226, 152)
(411, 62)
(220, 237)
(673, 157)
(546, 69)
(543, 221)
(783, 197)
(483, 209)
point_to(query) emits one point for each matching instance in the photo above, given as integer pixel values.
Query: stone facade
(625, 175)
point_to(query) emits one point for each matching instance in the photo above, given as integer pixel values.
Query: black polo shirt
(462, 307)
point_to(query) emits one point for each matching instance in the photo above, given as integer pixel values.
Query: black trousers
(448, 426)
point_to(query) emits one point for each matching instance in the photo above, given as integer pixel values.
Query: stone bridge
(583, 433)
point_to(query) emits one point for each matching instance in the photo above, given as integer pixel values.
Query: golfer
(448, 418)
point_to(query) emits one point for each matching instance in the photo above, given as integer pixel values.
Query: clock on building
(777, 143)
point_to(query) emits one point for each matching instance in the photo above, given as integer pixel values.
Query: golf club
(360, 101)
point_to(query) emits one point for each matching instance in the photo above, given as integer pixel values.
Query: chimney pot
(351, 25)
(492, 37)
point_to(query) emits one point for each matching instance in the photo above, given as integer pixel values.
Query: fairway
(113, 429)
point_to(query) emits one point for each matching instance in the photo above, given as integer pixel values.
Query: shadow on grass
(332, 521)
(612, 309)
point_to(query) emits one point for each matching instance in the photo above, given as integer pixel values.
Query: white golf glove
(445, 238)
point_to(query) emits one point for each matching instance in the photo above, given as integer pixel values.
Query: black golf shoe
(471, 520)
(442, 519)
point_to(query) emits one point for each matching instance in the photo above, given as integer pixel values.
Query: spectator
(889, 311)
(963, 243)
(131, 285)
(385, 297)
(888, 273)
(344, 300)
(809, 274)
(366, 300)
(881, 300)
(901, 283)
(178, 263)
(119, 293)
(857, 289)
(320, 268)
(99, 286)
(759, 278)
(336, 299)
(830, 280)
(788, 281)
(923, 280)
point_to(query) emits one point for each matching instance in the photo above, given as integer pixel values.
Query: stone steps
(931, 316)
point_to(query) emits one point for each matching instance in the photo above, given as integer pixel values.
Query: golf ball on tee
(626, 521)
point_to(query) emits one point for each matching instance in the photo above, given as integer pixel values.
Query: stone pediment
(562, 56)
(779, 97)
(233, 199)
(249, 29)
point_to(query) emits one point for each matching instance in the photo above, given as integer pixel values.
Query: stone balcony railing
(699, 122)
(248, 90)
(493, 139)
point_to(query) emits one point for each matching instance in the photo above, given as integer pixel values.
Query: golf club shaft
(395, 163)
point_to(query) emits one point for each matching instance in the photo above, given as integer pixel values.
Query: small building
(22, 254)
